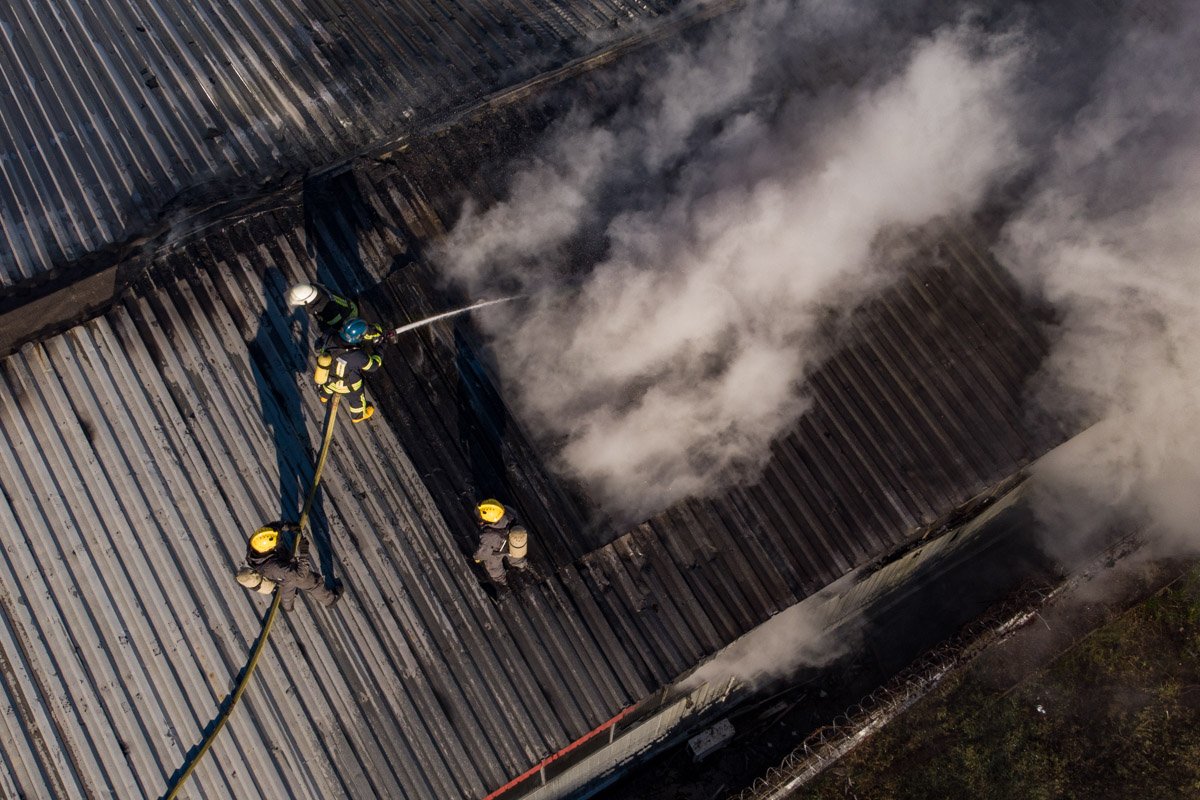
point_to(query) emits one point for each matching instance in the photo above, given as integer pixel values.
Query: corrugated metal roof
(135, 458)
(919, 413)
(111, 112)
(140, 448)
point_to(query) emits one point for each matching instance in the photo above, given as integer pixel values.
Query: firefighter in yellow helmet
(501, 539)
(269, 556)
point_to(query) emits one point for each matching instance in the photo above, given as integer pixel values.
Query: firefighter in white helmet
(328, 309)
(269, 561)
(501, 539)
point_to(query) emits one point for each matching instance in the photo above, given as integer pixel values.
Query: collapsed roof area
(141, 447)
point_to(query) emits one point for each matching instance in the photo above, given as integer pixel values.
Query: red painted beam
(548, 759)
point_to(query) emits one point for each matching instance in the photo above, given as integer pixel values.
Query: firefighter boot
(366, 414)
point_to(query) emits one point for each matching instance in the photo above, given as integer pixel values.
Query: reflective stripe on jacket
(334, 310)
(345, 373)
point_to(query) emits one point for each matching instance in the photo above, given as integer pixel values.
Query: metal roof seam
(678, 547)
(88, 146)
(66, 645)
(460, 675)
(797, 487)
(913, 392)
(780, 579)
(219, 597)
(730, 563)
(857, 455)
(26, 680)
(699, 630)
(866, 423)
(573, 649)
(316, 680)
(910, 430)
(643, 614)
(115, 569)
(616, 656)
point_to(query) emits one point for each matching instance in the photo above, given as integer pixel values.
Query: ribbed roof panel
(111, 111)
(135, 459)
(138, 450)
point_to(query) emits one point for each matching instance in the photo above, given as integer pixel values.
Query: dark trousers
(294, 575)
(355, 400)
(491, 555)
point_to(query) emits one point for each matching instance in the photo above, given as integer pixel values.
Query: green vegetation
(1115, 716)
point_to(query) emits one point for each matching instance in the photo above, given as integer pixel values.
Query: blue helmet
(353, 331)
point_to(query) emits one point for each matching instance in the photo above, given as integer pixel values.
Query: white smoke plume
(1111, 237)
(796, 637)
(683, 354)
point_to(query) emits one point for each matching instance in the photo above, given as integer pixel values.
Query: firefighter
(340, 367)
(500, 539)
(329, 310)
(269, 563)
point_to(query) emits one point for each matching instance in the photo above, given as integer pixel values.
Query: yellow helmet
(264, 540)
(490, 510)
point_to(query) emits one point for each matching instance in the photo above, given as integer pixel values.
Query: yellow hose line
(268, 621)
(312, 492)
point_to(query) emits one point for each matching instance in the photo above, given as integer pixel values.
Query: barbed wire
(827, 744)
(830, 742)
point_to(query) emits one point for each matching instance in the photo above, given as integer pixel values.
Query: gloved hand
(373, 335)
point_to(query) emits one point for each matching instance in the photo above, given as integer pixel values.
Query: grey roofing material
(130, 508)
(140, 448)
(111, 112)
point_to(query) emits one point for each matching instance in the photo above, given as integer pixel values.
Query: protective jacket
(292, 574)
(331, 311)
(346, 371)
(493, 548)
(344, 378)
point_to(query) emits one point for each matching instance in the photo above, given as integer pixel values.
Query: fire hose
(268, 621)
(243, 679)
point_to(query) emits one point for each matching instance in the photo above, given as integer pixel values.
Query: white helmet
(302, 294)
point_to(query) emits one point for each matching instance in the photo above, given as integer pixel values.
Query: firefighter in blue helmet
(340, 367)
